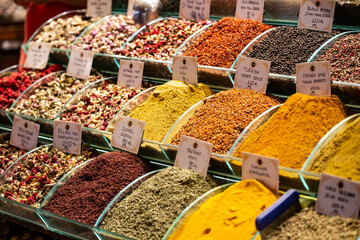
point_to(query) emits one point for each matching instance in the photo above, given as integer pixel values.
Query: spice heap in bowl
(47, 99)
(109, 36)
(14, 83)
(33, 175)
(221, 44)
(8, 155)
(161, 40)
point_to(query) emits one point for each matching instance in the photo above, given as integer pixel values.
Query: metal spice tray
(346, 91)
(57, 55)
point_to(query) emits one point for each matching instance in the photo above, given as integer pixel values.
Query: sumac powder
(86, 194)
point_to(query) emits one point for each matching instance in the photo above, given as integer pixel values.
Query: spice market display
(107, 193)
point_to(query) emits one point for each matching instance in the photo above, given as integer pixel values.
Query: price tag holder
(80, 63)
(193, 154)
(38, 55)
(338, 196)
(250, 9)
(128, 134)
(252, 74)
(185, 69)
(313, 79)
(196, 10)
(99, 8)
(67, 136)
(130, 74)
(264, 169)
(24, 134)
(317, 15)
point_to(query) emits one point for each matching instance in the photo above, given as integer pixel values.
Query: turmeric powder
(294, 130)
(228, 215)
(165, 105)
(341, 156)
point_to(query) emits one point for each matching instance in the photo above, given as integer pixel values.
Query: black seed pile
(286, 46)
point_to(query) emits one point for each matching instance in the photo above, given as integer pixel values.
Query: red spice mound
(86, 194)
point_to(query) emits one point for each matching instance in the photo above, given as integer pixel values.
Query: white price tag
(99, 8)
(130, 74)
(196, 10)
(252, 74)
(67, 136)
(261, 168)
(185, 69)
(317, 15)
(193, 154)
(38, 55)
(250, 9)
(313, 79)
(128, 134)
(80, 63)
(24, 134)
(338, 196)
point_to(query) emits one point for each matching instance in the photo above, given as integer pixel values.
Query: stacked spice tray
(157, 42)
(95, 106)
(336, 153)
(61, 31)
(344, 55)
(43, 100)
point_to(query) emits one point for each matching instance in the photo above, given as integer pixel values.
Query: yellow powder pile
(341, 156)
(165, 105)
(228, 215)
(294, 130)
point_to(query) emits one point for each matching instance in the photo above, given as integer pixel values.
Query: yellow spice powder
(228, 215)
(294, 130)
(341, 156)
(165, 105)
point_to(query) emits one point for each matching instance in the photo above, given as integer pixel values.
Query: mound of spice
(161, 41)
(86, 194)
(109, 36)
(13, 84)
(308, 224)
(62, 32)
(148, 212)
(8, 155)
(98, 106)
(228, 215)
(221, 44)
(33, 176)
(224, 116)
(287, 46)
(48, 99)
(294, 130)
(341, 156)
(344, 57)
(165, 105)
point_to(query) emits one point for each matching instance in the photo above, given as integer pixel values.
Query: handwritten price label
(185, 69)
(195, 10)
(38, 55)
(80, 63)
(130, 74)
(99, 8)
(250, 9)
(24, 134)
(67, 136)
(317, 15)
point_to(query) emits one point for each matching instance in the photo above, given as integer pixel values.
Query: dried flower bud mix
(62, 32)
(286, 46)
(98, 106)
(148, 212)
(224, 116)
(109, 36)
(161, 41)
(308, 224)
(48, 99)
(344, 57)
(222, 43)
(8, 155)
(31, 179)
(13, 84)
(86, 194)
